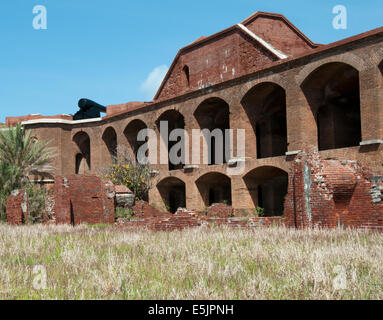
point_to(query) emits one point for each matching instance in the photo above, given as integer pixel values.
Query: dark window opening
(214, 114)
(268, 188)
(265, 105)
(332, 92)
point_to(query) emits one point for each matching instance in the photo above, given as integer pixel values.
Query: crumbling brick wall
(17, 207)
(83, 199)
(328, 193)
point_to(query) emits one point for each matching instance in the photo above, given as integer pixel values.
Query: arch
(265, 106)
(82, 154)
(267, 186)
(131, 132)
(110, 139)
(349, 59)
(174, 120)
(173, 193)
(333, 94)
(186, 74)
(214, 187)
(212, 114)
(381, 67)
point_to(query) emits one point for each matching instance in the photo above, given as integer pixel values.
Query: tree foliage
(20, 155)
(125, 170)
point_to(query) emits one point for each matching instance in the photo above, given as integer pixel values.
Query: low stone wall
(83, 199)
(149, 217)
(328, 193)
(17, 207)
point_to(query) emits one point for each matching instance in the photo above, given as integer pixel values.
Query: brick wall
(17, 207)
(328, 193)
(83, 199)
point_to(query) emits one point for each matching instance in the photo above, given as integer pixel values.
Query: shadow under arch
(173, 193)
(214, 187)
(265, 106)
(333, 94)
(110, 139)
(267, 186)
(131, 132)
(211, 114)
(174, 120)
(82, 155)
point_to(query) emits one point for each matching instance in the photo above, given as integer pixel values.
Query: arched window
(268, 187)
(332, 92)
(174, 120)
(82, 153)
(131, 132)
(214, 188)
(265, 105)
(172, 191)
(214, 114)
(110, 139)
(186, 75)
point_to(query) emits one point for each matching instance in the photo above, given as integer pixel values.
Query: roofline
(224, 31)
(281, 16)
(322, 48)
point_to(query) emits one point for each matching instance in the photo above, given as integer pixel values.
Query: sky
(117, 51)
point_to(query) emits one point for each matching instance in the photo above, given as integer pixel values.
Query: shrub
(20, 156)
(124, 170)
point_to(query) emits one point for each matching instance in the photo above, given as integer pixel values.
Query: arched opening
(174, 120)
(381, 71)
(110, 139)
(82, 154)
(186, 76)
(215, 187)
(265, 105)
(172, 191)
(268, 187)
(332, 92)
(131, 132)
(212, 114)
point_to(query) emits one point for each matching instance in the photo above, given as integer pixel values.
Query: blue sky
(118, 50)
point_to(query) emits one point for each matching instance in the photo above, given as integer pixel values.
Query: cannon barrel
(86, 104)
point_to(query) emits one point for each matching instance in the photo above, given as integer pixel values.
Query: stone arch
(349, 59)
(333, 94)
(214, 187)
(214, 113)
(174, 120)
(110, 139)
(173, 193)
(265, 106)
(131, 131)
(82, 154)
(267, 186)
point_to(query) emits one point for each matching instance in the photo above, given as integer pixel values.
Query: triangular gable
(173, 80)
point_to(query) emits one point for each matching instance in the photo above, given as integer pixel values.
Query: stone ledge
(371, 142)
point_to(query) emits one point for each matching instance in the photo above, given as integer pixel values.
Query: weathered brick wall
(17, 207)
(83, 199)
(149, 217)
(328, 193)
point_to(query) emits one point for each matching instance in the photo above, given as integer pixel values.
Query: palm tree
(23, 152)
(20, 155)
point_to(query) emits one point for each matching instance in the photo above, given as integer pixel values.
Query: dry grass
(109, 263)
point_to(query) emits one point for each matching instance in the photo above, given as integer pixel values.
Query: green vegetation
(216, 263)
(125, 213)
(128, 172)
(20, 156)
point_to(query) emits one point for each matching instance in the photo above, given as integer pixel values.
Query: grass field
(110, 263)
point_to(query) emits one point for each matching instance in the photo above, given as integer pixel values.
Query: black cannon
(88, 110)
